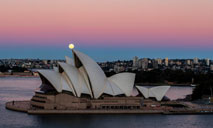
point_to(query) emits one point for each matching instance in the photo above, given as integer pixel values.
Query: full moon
(71, 46)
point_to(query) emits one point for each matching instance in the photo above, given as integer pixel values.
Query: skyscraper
(135, 61)
(159, 61)
(207, 61)
(195, 61)
(155, 63)
(166, 61)
(188, 62)
(140, 63)
(145, 63)
(211, 67)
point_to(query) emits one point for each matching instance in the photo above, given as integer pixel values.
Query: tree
(205, 86)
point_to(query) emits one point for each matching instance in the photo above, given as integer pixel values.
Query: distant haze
(106, 29)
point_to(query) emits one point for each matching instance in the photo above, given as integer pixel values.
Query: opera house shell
(80, 83)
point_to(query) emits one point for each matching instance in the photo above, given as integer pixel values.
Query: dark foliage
(205, 86)
(159, 76)
(108, 74)
(14, 69)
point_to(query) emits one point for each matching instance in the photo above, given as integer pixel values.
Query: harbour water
(13, 88)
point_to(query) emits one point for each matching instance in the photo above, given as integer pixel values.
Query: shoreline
(24, 106)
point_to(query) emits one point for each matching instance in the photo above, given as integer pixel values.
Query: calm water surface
(23, 89)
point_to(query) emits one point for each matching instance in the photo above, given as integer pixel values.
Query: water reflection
(23, 89)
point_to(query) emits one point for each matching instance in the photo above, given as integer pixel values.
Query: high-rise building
(207, 62)
(140, 63)
(155, 63)
(195, 61)
(45, 61)
(159, 61)
(167, 61)
(145, 63)
(211, 67)
(118, 69)
(135, 61)
(188, 62)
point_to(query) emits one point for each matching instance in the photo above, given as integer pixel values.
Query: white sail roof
(112, 89)
(108, 89)
(53, 77)
(156, 92)
(159, 92)
(96, 75)
(86, 89)
(74, 76)
(69, 83)
(125, 81)
(64, 84)
(144, 91)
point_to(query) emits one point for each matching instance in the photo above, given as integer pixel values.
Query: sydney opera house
(80, 83)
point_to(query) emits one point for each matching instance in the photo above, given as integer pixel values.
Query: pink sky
(92, 22)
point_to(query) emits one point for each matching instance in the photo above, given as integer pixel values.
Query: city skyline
(106, 30)
(99, 54)
(145, 64)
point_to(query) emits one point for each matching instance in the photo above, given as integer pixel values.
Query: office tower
(166, 61)
(145, 63)
(211, 67)
(155, 63)
(188, 62)
(207, 62)
(135, 61)
(195, 61)
(159, 61)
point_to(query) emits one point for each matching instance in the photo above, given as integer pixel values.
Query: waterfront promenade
(24, 106)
